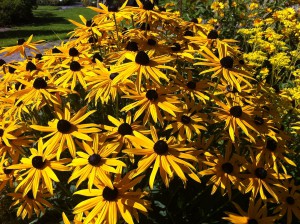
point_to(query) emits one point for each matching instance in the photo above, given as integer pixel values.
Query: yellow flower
(257, 213)
(107, 205)
(253, 6)
(30, 203)
(39, 166)
(64, 128)
(217, 6)
(95, 163)
(168, 157)
(21, 47)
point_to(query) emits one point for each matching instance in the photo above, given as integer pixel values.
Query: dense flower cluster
(139, 94)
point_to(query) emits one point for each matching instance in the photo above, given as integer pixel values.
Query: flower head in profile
(107, 205)
(28, 204)
(257, 213)
(21, 47)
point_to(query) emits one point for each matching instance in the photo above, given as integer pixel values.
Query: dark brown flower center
(231, 89)
(151, 42)
(56, 50)
(7, 171)
(260, 173)
(147, 5)
(227, 62)
(1, 132)
(258, 120)
(242, 62)
(290, 200)
(236, 111)
(113, 8)
(227, 167)
(89, 23)
(132, 46)
(39, 56)
(11, 69)
(152, 95)
(30, 195)
(213, 34)
(110, 194)
(97, 56)
(161, 147)
(125, 129)
(75, 66)
(194, 20)
(37, 162)
(21, 41)
(191, 85)
(64, 126)
(73, 52)
(143, 26)
(188, 33)
(19, 86)
(176, 47)
(30, 66)
(2, 62)
(39, 83)
(185, 119)
(94, 159)
(271, 144)
(93, 40)
(252, 221)
(142, 58)
(113, 75)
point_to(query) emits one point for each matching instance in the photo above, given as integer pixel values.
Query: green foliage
(15, 11)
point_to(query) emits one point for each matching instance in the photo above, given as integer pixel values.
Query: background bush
(16, 11)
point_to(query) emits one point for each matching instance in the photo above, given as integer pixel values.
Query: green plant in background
(155, 118)
(16, 11)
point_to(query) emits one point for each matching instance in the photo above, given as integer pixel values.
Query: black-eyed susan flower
(38, 168)
(124, 131)
(257, 213)
(28, 204)
(39, 91)
(7, 129)
(187, 123)
(100, 85)
(143, 65)
(71, 73)
(274, 152)
(166, 155)
(63, 128)
(235, 115)
(21, 47)
(95, 162)
(225, 170)
(289, 199)
(7, 176)
(223, 66)
(107, 205)
(151, 101)
(261, 178)
(191, 87)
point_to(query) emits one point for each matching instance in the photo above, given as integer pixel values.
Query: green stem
(117, 30)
